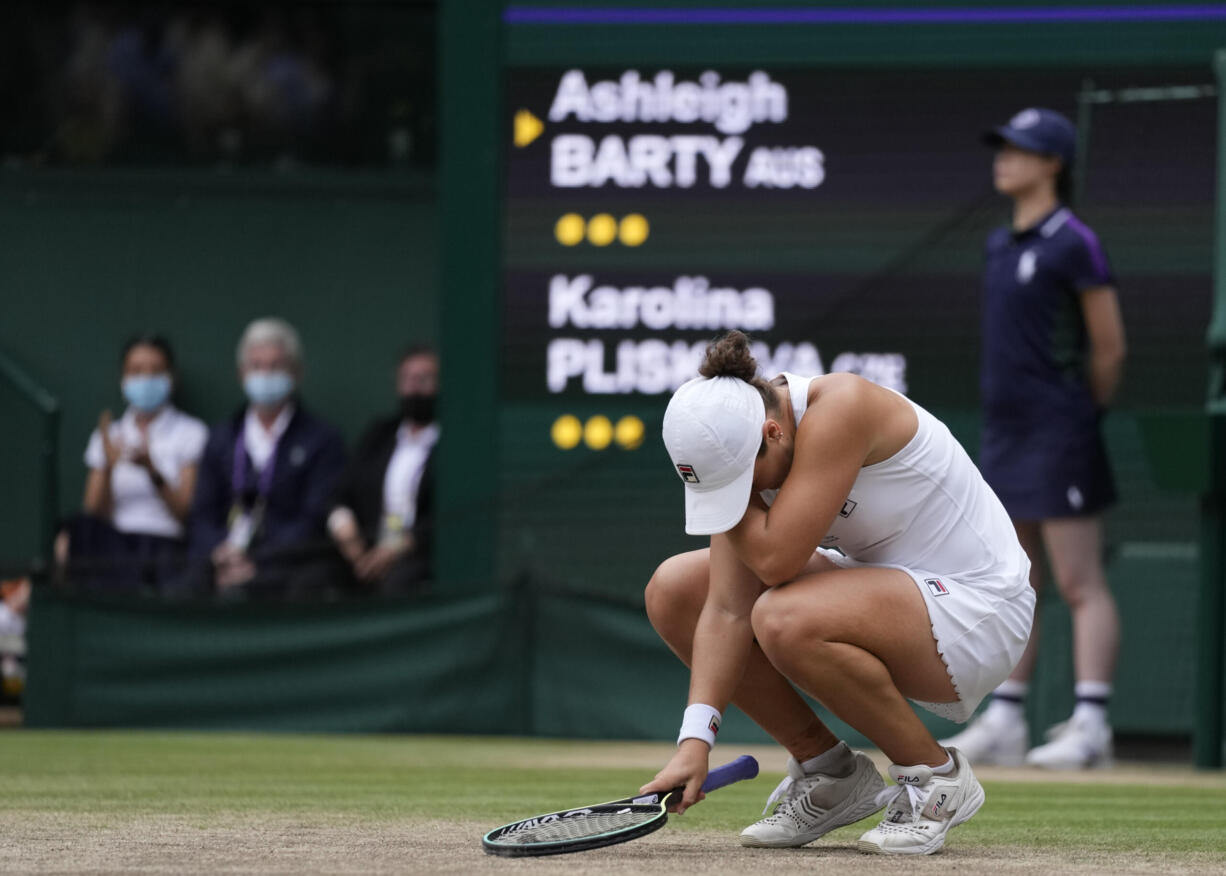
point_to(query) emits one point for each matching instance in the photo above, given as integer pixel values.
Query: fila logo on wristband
(700, 721)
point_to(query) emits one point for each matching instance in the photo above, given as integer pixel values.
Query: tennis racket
(602, 824)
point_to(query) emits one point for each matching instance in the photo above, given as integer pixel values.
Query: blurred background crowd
(90, 83)
(265, 503)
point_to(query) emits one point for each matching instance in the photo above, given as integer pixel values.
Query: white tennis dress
(927, 511)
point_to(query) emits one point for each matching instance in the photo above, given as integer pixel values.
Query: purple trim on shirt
(1091, 241)
(524, 14)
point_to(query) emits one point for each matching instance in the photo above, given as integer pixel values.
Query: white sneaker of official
(810, 806)
(922, 807)
(992, 738)
(1078, 743)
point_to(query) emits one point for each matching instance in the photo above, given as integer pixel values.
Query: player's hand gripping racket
(602, 824)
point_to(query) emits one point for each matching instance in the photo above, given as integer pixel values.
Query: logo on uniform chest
(1026, 265)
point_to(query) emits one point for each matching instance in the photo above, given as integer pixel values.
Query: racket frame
(744, 767)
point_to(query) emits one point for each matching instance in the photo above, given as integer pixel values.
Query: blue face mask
(146, 392)
(268, 388)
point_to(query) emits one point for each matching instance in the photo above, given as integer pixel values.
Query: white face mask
(146, 392)
(268, 388)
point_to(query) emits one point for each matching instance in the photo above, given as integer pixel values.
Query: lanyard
(238, 481)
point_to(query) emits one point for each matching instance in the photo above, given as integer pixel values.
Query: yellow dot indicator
(601, 229)
(566, 431)
(633, 230)
(628, 433)
(598, 432)
(569, 229)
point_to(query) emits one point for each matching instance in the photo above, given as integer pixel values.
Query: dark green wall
(529, 661)
(89, 258)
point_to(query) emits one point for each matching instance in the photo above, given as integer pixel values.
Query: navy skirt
(1047, 469)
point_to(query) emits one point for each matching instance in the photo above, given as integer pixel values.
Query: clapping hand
(112, 450)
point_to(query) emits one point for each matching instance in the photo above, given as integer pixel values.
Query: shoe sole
(851, 817)
(964, 813)
(866, 808)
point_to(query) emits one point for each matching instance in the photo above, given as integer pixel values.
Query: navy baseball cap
(1037, 130)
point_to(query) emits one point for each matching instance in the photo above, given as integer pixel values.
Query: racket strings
(576, 827)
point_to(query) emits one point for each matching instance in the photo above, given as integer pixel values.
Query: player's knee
(774, 622)
(668, 591)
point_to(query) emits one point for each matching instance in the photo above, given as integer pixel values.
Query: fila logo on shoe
(936, 807)
(907, 780)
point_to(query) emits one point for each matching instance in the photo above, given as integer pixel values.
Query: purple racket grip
(744, 767)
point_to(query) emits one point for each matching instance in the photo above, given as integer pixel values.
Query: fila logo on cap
(687, 473)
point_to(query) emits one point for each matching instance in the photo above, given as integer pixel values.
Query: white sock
(827, 761)
(1008, 701)
(945, 769)
(1092, 699)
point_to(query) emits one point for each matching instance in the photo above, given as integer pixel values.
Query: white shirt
(402, 480)
(176, 440)
(261, 443)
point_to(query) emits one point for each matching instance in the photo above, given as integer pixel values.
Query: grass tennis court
(185, 802)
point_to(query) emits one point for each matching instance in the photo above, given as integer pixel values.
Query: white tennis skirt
(980, 634)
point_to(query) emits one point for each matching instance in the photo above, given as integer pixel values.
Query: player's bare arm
(722, 641)
(831, 445)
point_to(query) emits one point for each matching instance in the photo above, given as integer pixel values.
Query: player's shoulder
(841, 391)
(1066, 230)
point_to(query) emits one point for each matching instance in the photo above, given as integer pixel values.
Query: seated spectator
(257, 522)
(14, 606)
(383, 513)
(142, 470)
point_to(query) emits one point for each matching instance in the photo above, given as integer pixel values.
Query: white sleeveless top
(926, 508)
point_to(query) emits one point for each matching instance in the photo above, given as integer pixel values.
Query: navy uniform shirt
(1034, 334)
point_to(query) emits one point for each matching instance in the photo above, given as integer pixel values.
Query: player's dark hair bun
(729, 356)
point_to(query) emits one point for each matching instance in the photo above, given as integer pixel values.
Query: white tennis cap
(713, 429)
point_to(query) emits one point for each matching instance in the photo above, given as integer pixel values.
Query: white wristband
(700, 722)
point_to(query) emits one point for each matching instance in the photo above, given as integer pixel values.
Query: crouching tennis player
(856, 553)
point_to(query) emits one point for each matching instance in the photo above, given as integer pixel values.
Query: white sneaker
(1075, 744)
(992, 739)
(922, 807)
(812, 806)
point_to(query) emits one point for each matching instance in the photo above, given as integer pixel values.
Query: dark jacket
(308, 459)
(360, 488)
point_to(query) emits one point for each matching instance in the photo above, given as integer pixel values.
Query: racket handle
(744, 767)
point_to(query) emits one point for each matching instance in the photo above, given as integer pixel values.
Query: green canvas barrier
(529, 661)
(426, 667)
